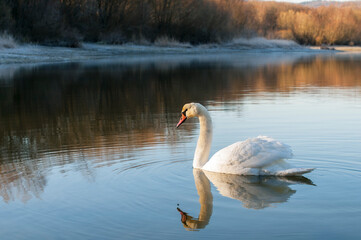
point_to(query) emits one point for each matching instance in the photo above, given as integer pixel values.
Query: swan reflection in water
(255, 192)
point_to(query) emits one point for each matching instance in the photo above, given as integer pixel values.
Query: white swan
(256, 156)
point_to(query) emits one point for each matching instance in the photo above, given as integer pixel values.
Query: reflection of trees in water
(317, 72)
(23, 167)
(20, 178)
(99, 111)
(22, 181)
(71, 105)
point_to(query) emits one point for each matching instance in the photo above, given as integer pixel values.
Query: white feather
(255, 156)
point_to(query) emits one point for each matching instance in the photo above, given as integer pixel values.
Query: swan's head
(189, 110)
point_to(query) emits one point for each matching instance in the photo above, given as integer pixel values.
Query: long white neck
(205, 138)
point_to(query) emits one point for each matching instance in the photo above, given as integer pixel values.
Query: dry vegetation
(7, 41)
(68, 22)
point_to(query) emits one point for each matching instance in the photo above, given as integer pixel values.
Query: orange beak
(181, 120)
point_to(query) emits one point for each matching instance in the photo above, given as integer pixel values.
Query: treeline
(332, 24)
(68, 22)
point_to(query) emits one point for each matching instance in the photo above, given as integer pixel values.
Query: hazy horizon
(302, 1)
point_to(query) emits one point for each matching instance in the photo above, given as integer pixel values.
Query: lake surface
(90, 150)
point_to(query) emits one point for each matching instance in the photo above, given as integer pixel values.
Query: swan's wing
(247, 156)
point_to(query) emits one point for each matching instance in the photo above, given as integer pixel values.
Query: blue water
(90, 151)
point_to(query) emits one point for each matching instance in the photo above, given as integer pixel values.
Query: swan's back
(249, 156)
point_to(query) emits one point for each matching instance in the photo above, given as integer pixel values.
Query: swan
(255, 156)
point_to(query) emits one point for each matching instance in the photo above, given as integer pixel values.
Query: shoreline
(35, 54)
(94, 52)
(348, 48)
(340, 48)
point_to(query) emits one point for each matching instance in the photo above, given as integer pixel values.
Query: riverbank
(32, 54)
(339, 48)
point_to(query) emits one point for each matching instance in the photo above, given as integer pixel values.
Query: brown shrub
(194, 21)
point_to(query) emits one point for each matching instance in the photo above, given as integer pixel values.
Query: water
(90, 150)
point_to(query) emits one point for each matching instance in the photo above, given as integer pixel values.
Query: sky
(299, 1)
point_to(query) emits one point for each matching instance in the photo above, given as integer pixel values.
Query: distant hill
(328, 3)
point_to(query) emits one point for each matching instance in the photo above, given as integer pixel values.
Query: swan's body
(256, 156)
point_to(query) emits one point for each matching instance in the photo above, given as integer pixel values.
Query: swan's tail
(293, 172)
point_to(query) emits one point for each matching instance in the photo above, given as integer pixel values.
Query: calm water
(90, 151)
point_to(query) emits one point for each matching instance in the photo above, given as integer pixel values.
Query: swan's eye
(184, 112)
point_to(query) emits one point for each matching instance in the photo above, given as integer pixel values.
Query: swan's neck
(204, 141)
